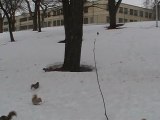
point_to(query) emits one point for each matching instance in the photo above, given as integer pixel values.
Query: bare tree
(2, 16)
(148, 3)
(39, 15)
(44, 7)
(11, 7)
(51, 5)
(113, 8)
(32, 14)
(2, 4)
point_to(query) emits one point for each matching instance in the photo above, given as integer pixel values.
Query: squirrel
(36, 100)
(9, 116)
(35, 86)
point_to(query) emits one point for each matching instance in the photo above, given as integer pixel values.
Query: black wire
(99, 82)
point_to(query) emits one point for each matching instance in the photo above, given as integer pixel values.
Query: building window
(54, 23)
(5, 23)
(91, 20)
(23, 27)
(61, 12)
(62, 22)
(150, 15)
(5, 29)
(125, 20)
(30, 26)
(54, 13)
(29, 18)
(146, 14)
(85, 20)
(49, 23)
(49, 14)
(45, 24)
(58, 22)
(23, 19)
(125, 10)
(131, 20)
(58, 12)
(135, 13)
(85, 9)
(120, 20)
(131, 11)
(120, 10)
(141, 13)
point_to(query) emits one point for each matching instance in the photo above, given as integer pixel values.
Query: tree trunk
(35, 17)
(42, 19)
(113, 7)
(9, 22)
(1, 23)
(39, 19)
(112, 15)
(10, 28)
(67, 27)
(77, 32)
(74, 27)
(13, 22)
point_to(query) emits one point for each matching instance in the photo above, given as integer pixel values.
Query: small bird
(9, 116)
(36, 100)
(35, 86)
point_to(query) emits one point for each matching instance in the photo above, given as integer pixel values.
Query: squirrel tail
(11, 114)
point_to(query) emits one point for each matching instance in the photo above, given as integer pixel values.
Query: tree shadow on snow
(58, 67)
(118, 26)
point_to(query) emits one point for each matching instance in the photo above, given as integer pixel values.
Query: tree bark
(113, 8)
(39, 19)
(1, 23)
(13, 22)
(77, 33)
(35, 17)
(10, 28)
(67, 27)
(74, 27)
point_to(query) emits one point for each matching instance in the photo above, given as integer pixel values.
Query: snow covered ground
(128, 63)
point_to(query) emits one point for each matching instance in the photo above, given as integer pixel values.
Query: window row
(135, 12)
(122, 20)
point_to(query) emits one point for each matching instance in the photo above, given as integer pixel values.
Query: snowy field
(128, 63)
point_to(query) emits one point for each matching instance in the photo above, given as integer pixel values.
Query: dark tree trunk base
(83, 68)
(117, 25)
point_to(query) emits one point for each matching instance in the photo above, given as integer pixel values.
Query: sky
(133, 2)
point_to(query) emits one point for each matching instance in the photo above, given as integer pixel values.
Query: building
(94, 13)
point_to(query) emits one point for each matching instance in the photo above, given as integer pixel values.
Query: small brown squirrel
(9, 116)
(36, 100)
(35, 86)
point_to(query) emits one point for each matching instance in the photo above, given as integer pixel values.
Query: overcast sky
(133, 2)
